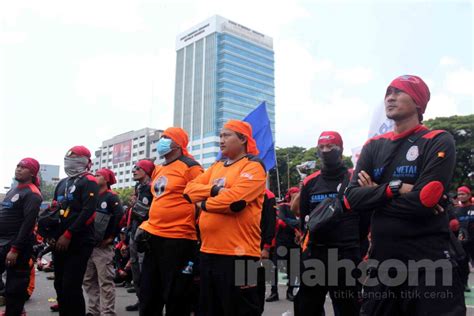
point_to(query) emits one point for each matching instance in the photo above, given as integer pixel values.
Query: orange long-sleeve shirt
(171, 216)
(230, 220)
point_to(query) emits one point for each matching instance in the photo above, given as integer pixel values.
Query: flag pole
(278, 174)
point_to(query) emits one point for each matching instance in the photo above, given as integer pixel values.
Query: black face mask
(331, 158)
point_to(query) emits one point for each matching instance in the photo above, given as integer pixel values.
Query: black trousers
(423, 299)
(286, 261)
(69, 269)
(162, 281)
(18, 278)
(311, 297)
(221, 293)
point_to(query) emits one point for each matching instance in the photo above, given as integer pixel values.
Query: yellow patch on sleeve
(441, 154)
(91, 194)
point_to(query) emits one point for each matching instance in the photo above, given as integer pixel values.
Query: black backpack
(322, 217)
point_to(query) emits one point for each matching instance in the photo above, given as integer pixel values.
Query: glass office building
(223, 71)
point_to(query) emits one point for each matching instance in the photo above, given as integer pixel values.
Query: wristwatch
(395, 186)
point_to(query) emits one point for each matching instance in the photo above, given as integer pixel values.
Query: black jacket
(405, 227)
(77, 198)
(18, 213)
(345, 228)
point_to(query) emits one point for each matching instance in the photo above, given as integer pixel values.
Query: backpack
(323, 215)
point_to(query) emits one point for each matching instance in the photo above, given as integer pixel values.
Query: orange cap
(245, 129)
(180, 137)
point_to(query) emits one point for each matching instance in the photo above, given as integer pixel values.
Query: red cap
(108, 175)
(330, 137)
(415, 87)
(147, 166)
(32, 165)
(80, 151)
(290, 192)
(464, 189)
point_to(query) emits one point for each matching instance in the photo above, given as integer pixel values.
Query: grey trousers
(99, 282)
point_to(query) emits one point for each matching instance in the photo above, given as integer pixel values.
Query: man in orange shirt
(165, 276)
(230, 194)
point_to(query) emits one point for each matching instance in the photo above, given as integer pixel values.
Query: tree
(47, 190)
(125, 195)
(461, 129)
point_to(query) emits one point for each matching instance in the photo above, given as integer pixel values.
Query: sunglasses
(136, 168)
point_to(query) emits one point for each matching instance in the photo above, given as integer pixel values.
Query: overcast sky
(81, 72)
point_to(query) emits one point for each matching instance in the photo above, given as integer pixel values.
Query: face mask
(75, 166)
(331, 158)
(164, 146)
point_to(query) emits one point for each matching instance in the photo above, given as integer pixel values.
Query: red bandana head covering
(108, 175)
(245, 129)
(330, 137)
(180, 137)
(147, 166)
(32, 165)
(80, 151)
(415, 87)
(291, 191)
(465, 189)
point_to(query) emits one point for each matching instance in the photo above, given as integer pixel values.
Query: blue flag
(262, 133)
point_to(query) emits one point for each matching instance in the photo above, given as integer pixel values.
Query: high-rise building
(223, 71)
(121, 152)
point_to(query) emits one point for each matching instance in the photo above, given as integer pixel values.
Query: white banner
(379, 125)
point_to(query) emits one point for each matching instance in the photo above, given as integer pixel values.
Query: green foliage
(461, 129)
(287, 160)
(125, 195)
(47, 190)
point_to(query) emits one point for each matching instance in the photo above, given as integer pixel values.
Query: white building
(121, 152)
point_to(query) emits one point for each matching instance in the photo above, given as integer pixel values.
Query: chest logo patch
(219, 182)
(103, 205)
(15, 198)
(413, 153)
(145, 201)
(73, 188)
(160, 185)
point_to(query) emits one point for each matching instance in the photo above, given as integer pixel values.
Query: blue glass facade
(219, 77)
(245, 78)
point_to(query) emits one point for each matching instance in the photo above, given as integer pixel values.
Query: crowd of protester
(187, 243)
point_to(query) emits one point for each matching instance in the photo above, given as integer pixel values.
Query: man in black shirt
(402, 176)
(142, 172)
(464, 212)
(286, 225)
(343, 236)
(99, 277)
(76, 198)
(18, 213)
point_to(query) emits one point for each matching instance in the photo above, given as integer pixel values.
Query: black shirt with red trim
(268, 220)
(287, 224)
(18, 213)
(317, 187)
(405, 227)
(109, 203)
(77, 198)
(465, 216)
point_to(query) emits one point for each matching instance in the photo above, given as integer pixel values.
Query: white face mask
(74, 166)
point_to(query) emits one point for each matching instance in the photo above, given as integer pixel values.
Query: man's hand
(365, 180)
(10, 261)
(106, 242)
(265, 254)
(62, 244)
(405, 188)
(438, 209)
